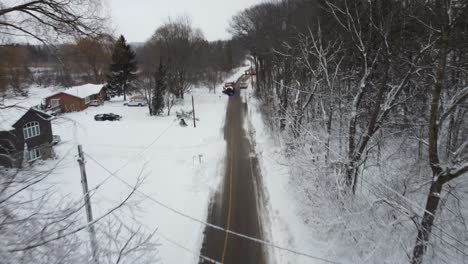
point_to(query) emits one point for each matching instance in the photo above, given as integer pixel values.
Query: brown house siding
(68, 103)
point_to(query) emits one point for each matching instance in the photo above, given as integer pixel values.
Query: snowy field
(181, 166)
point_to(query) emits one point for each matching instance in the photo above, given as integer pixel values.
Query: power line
(146, 148)
(130, 159)
(440, 229)
(392, 190)
(172, 241)
(266, 243)
(200, 256)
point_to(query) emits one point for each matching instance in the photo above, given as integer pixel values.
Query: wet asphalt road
(235, 206)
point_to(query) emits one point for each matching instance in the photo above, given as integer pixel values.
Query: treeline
(177, 58)
(358, 85)
(188, 56)
(84, 61)
(190, 60)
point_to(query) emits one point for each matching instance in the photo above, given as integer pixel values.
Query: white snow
(181, 166)
(282, 213)
(12, 109)
(83, 91)
(173, 174)
(9, 116)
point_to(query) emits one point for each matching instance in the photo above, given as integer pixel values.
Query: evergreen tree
(159, 89)
(123, 69)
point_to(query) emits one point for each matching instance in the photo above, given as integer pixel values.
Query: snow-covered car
(107, 117)
(243, 85)
(136, 101)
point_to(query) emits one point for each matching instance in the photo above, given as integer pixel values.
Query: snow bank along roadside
(281, 213)
(181, 166)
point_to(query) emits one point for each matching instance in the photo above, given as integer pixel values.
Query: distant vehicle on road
(243, 85)
(136, 101)
(229, 84)
(107, 117)
(229, 90)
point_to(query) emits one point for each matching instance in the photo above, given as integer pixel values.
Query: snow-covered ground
(181, 166)
(283, 211)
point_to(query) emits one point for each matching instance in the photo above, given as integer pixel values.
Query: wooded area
(369, 99)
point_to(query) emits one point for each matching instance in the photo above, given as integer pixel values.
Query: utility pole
(193, 112)
(89, 212)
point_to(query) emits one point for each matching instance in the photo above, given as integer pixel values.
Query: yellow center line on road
(230, 201)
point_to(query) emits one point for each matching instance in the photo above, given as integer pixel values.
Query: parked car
(243, 85)
(136, 101)
(107, 117)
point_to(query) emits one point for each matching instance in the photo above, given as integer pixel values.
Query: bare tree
(15, 62)
(127, 243)
(448, 16)
(390, 76)
(44, 20)
(387, 88)
(176, 43)
(94, 56)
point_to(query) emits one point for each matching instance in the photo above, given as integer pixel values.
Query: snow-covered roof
(10, 115)
(84, 91)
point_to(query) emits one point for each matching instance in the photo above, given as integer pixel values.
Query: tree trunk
(125, 92)
(97, 77)
(373, 125)
(351, 148)
(329, 129)
(433, 198)
(425, 228)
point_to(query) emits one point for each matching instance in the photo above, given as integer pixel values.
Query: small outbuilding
(76, 98)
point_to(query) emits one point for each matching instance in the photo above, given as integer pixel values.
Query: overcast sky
(138, 19)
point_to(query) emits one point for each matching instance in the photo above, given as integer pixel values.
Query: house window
(87, 100)
(34, 154)
(31, 129)
(54, 103)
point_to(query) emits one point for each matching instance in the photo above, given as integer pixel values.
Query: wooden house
(76, 98)
(25, 135)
